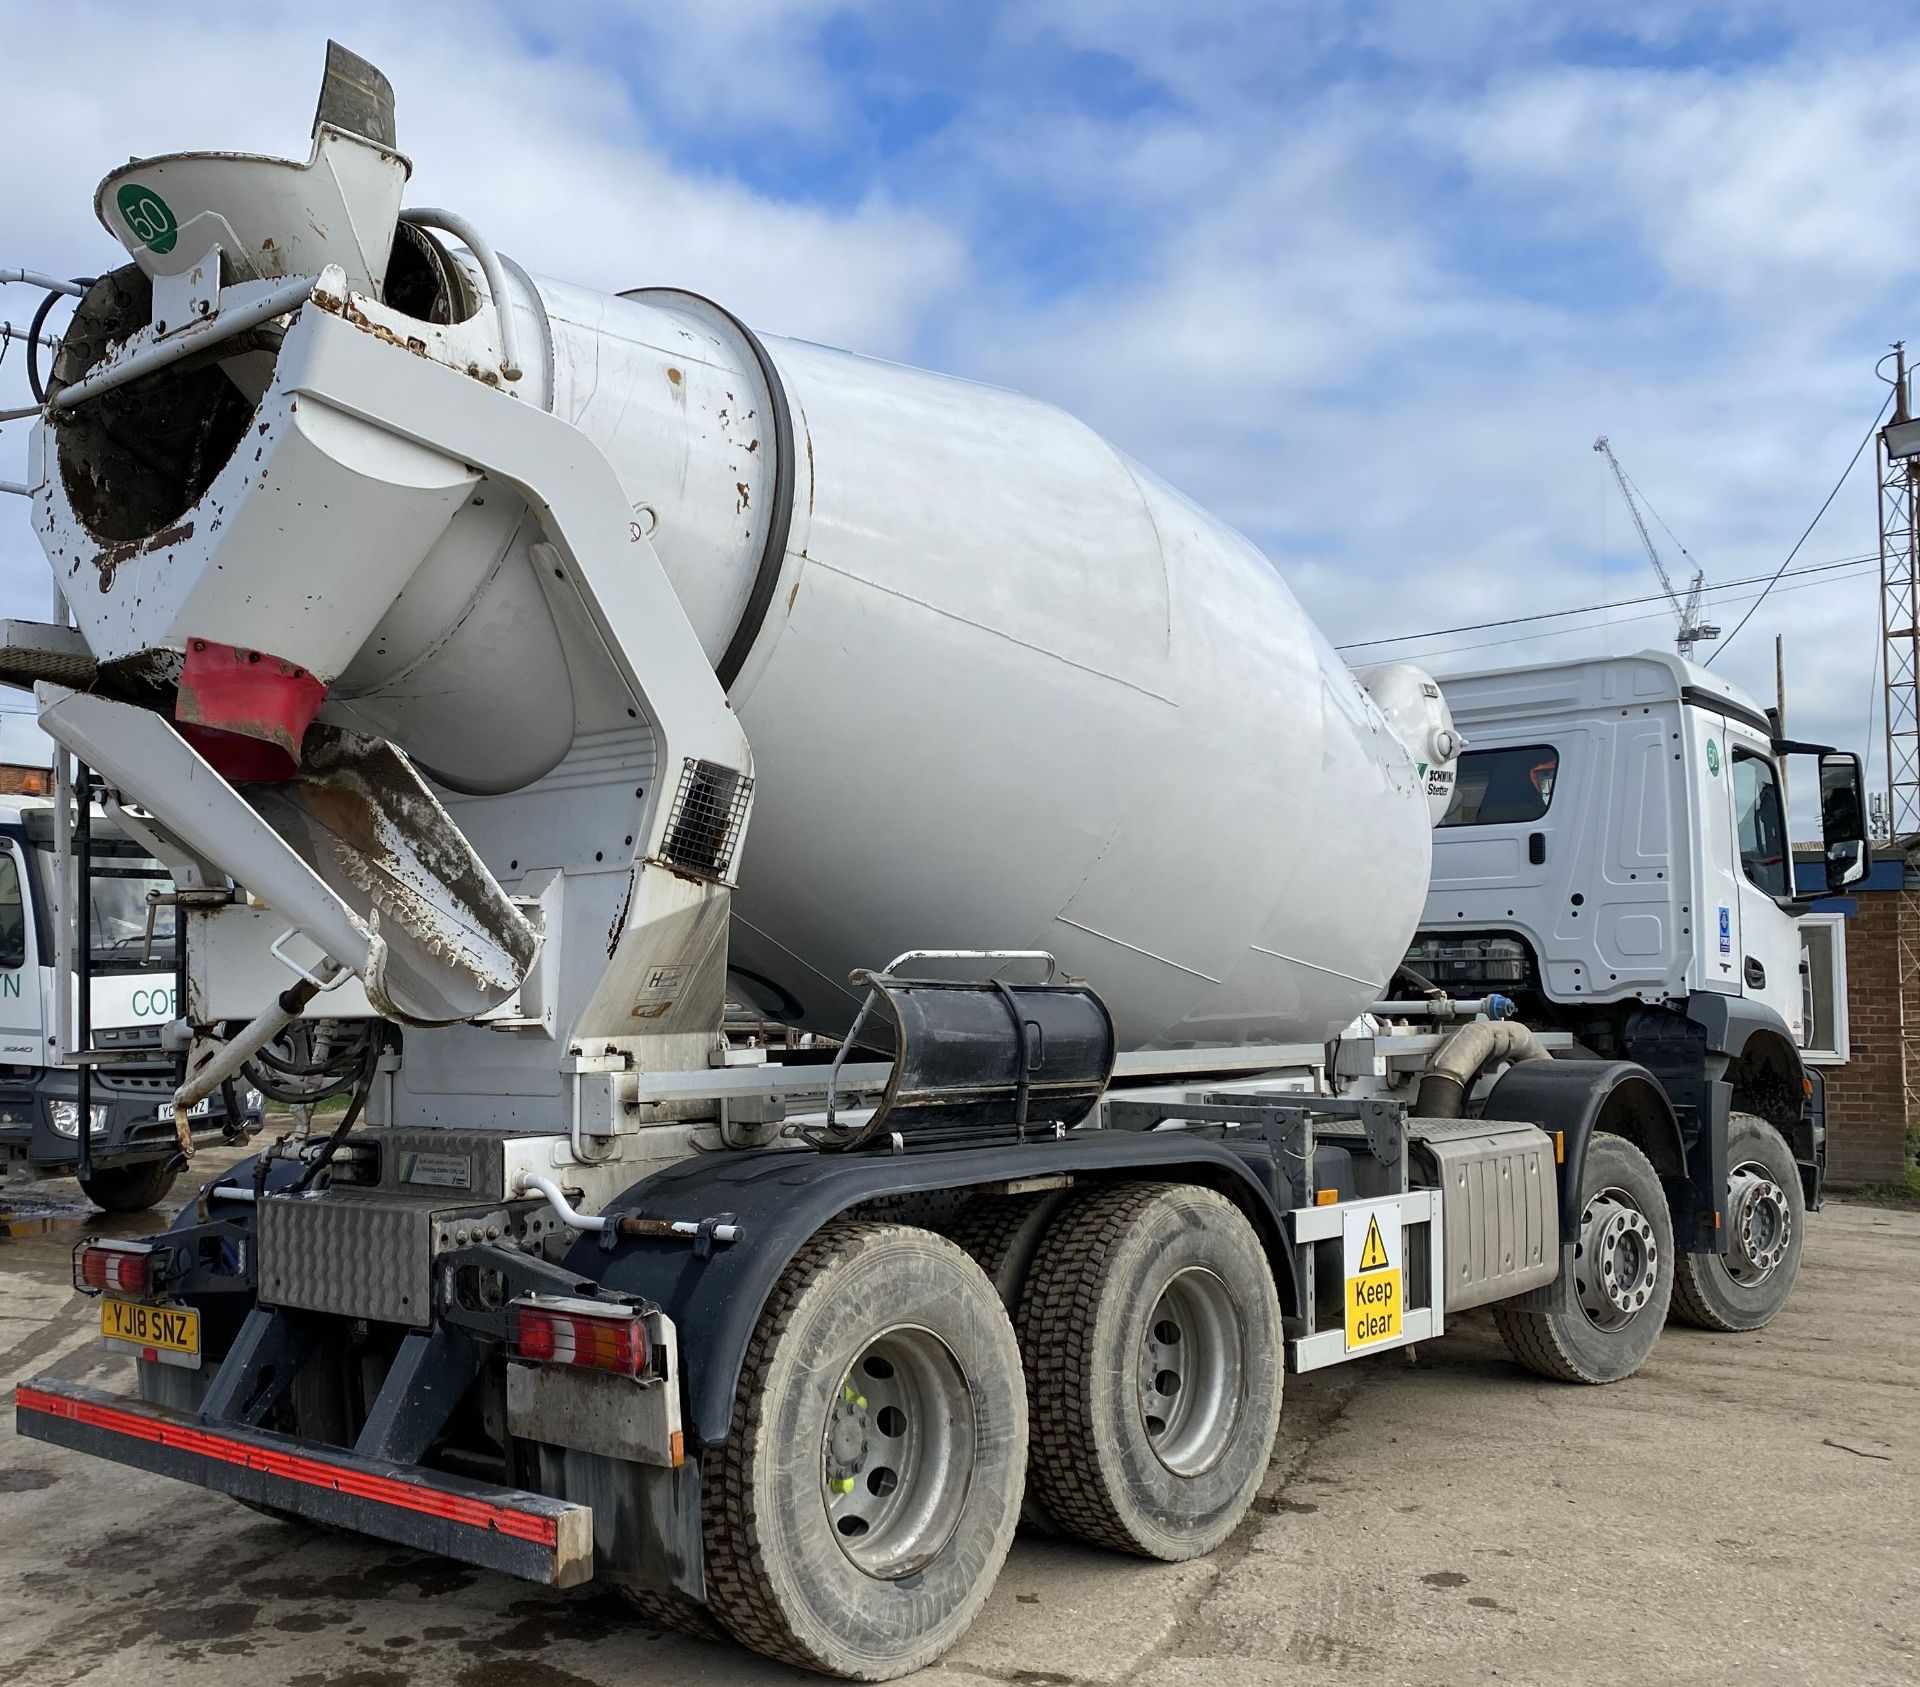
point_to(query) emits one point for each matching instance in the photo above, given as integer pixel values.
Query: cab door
(1769, 948)
(20, 1027)
(1715, 913)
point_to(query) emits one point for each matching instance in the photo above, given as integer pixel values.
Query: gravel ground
(1745, 1510)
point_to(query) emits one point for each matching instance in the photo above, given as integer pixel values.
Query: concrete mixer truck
(507, 674)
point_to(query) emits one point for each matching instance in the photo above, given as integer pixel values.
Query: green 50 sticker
(149, 217)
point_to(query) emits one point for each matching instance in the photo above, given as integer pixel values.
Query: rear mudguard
(780, 1197)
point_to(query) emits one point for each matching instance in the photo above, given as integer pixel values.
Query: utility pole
(1899, 511)
(1780, 730)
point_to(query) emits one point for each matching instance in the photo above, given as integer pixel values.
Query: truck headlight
(64, 1116)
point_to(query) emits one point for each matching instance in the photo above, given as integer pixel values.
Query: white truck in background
(1615, 860)
(506, 673)
(133, 1153)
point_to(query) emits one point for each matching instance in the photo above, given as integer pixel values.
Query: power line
(1631, 620)
(1873, 427)
(1591, 608)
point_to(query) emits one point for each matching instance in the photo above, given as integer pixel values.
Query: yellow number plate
(168, 1329)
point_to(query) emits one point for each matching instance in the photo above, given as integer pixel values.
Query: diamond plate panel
(357, 1256)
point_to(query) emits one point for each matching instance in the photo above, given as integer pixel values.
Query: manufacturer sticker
(438, 1171)
(1376, 1283)
(149, 216)
(658, 990)
(1726, 930)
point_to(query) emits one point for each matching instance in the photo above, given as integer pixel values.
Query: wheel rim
(1759, 1224)
(897, 1454)
(1191, 1366)
(1617, 1260)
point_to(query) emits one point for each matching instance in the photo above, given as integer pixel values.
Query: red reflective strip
(293, 1467)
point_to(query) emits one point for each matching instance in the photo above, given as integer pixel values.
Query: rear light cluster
(548, 1330)
(124, 1267)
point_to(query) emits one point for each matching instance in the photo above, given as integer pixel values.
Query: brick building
(1870, 1110)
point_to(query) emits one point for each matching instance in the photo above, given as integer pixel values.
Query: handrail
(236, 319)
(451, 222)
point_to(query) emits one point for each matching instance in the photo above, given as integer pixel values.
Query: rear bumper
(527, 1535)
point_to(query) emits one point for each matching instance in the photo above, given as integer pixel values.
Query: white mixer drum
(1006, 690)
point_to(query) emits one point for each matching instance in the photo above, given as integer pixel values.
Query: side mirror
(1843, 819)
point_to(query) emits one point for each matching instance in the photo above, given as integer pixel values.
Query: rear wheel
(1766, 1217)
(863, 1502)
(1002, 1233)
(1612, 1311)
(1152, 1342)
(129, 1189)
(676, 1612)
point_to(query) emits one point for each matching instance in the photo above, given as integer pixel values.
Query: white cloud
(548, 154)
(1376, 318)
(1382, 332)
(1762, 188)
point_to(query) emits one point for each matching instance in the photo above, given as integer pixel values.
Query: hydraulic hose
(79, 284)
(1458, 1061)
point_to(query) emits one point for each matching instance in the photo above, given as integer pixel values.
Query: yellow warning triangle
(1373, 1257)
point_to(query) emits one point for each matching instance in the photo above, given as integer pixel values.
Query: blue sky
(1367, 279)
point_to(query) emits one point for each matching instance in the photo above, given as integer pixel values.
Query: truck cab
(1616, 860)
(131, 1128)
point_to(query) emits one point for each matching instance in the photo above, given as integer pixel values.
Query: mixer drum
(1004, 688)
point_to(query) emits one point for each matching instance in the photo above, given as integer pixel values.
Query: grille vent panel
(709, 812)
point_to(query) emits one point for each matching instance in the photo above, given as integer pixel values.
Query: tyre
(1612, 1312)
(1766, 1217)
(671, 1610)
(1153, 1350)
(129, 1189)
(1001, 1234)
(866, 1495)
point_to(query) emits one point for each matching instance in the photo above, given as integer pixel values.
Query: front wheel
(867, 1491)
(1610, 1315)
(129, 1189)
(1765, 1218)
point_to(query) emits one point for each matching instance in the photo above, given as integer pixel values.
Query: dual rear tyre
(859, 1511)
(1153, 1349)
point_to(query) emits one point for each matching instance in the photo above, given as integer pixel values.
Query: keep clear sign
(1376, 1285)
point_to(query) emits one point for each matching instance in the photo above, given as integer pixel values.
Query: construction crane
(1692, 629)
